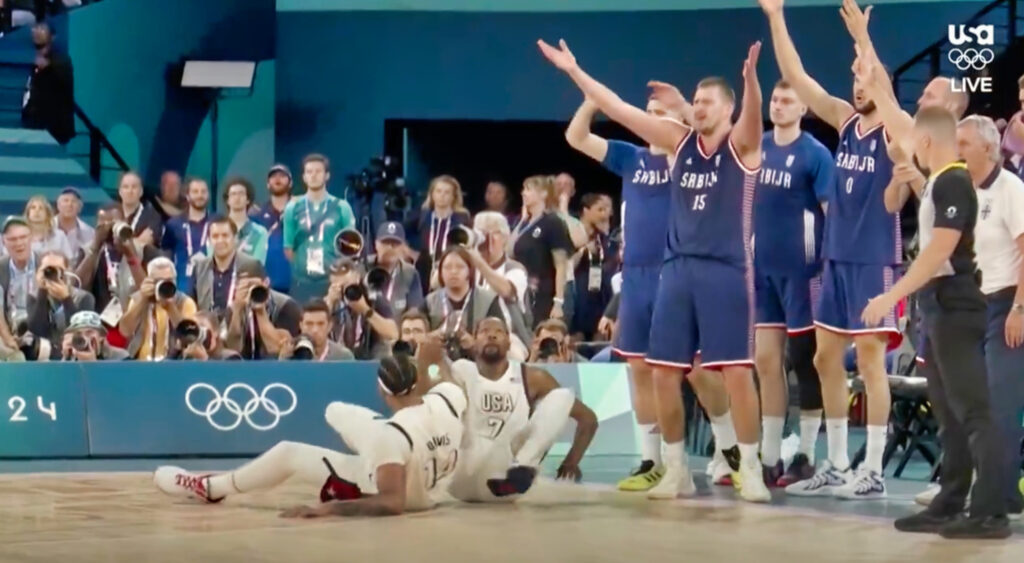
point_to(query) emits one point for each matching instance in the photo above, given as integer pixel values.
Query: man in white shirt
(504, 276)
(79, 234)
(999, 244)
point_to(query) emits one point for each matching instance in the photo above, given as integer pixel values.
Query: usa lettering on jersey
(492, 402)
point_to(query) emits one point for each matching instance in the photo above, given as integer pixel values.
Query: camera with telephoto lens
(259, 295)
(52, 273)
(466, 237)
(349, 243)
(303, 348)
(382, 176)
(188, 332)
(165, 289)
(80, 343)
(547, 348)
(122, 231)
(28, 343)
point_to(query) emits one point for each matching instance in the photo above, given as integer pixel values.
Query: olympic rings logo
(964, 59)
(242, 412)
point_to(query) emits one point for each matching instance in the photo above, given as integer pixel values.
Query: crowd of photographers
(161, 278)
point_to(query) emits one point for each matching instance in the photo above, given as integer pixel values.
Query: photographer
(413, 327)
(363, 322)
(85, 340)
(504, 276)
(261, 319)
(455, 308)
(55, 302)
(551, 344)
(200, 340)
(404, 291)
(112, 268)
(17, 281)
(154, 311)
(313, 343)
(215, 278)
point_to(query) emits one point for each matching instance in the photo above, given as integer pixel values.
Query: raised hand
(771, 7)
(667, 94)
(561, 57)
(856, 20)
(750, 65)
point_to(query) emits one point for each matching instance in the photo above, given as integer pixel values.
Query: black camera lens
(354, 292)
(377, 279)
(402, 348)
(80, 343)
(259, 295)
(51, 273)
(123, 232)
(303, 348)
(165, 289)
(188, 332)
(548, 347)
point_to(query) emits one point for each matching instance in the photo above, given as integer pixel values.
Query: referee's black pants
(954, 319)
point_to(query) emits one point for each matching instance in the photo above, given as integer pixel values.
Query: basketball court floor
(109, 511)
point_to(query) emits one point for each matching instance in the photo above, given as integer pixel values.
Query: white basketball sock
(722, 428)
(748, 456)
(875, 448)
(675, 453)
(650, 443)
(810, 426)
(771, 439)
(836, 431)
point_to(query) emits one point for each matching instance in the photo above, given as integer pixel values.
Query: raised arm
(830, 109)
(657, 132)
(871, 76)
(746, 134)
(579, 136)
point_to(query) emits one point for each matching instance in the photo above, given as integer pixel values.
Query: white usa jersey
(425, 438)
(496, 410)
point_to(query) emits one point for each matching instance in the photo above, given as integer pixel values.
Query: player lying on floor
(398, 465)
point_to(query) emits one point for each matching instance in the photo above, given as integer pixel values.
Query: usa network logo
(972, 51)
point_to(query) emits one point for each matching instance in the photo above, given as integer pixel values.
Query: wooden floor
(84, 518)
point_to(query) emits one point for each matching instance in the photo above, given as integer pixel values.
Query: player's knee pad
(801, 357)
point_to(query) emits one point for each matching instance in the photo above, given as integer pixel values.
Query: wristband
(559, 300)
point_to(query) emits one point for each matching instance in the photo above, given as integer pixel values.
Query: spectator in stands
(170, 202)
(91, 344)
(185, 235)
(593, 265)
(77, 231)
(311, 222)
(279, 185)
(252, 237)
(215, 278)
(49, 102)
(365, 325)
(999, 245)
(505, 277)
(315, 326)
(496, 199)
(404, 290)
(441, 213)
(17, 271)
(456, 306)
(1013, 135)
(552, 345)
(155, 311)
(259, 330)
(50, 309)
(565, 190)
(210, 346)
(23, 12)
(111, 270)
(145, 222)
(45, 237)
(413, 328)
(541, 243)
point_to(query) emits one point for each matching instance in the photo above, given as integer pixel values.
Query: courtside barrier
(134, 409)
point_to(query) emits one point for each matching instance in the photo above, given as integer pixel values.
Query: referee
(954, 323)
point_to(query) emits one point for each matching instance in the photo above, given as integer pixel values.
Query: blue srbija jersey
(788, 218)
(858, 229)
(645, 201)
(712, 203)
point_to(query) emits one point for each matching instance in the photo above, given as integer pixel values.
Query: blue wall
(539, 5)
(123, 52)
(341, 74)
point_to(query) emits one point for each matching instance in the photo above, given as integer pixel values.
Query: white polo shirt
(1000, 223)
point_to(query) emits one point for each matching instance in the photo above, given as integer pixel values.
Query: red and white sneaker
(177, 482)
